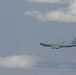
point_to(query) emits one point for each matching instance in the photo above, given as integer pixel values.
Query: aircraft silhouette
(62, 45)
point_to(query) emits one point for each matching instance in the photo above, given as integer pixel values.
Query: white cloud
(22, 61)
(44, 1)
(67, 15)
(47, 1)
(32, 13)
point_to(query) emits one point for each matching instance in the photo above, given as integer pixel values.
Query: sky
(24, 24)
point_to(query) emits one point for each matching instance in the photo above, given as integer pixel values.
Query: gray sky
(24, 24)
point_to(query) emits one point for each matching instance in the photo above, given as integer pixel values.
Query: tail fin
(74, 41)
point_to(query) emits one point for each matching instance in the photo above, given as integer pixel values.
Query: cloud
(64, 15)
(62, 56)
(21, 61)
(32, 13)
(46, 1)
(64, 66)
(58, 71)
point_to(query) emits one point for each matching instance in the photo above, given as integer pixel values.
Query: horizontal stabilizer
(74, 41)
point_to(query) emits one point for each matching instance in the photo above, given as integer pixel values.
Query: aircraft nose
(41, 43)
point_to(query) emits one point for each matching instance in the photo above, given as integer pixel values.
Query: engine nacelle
(55, 47)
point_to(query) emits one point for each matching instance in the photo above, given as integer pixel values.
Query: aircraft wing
(66, 45)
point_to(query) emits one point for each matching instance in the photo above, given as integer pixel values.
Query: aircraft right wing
(67, 46)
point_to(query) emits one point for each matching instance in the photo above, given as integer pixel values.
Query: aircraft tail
(74, 41)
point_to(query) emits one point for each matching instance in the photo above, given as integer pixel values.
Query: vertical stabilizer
(74, 41)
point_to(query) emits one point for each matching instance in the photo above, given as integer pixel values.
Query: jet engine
(55, 47)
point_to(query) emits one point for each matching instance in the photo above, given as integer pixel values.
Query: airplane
(62, 45)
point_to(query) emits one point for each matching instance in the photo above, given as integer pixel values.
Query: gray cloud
(58, 71)
(64, 66)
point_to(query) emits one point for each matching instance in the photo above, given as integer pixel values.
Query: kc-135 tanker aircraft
(61, 45)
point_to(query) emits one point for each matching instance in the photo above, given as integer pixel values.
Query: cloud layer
(65, 15)
(60, 71)
(22, 61)
(44, 1)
